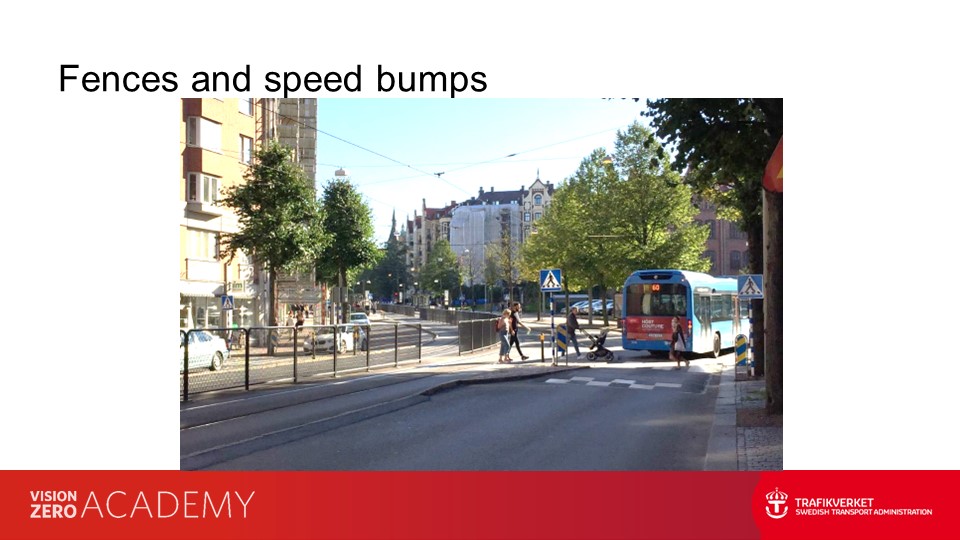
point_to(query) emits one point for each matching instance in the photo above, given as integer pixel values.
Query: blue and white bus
(708, 308)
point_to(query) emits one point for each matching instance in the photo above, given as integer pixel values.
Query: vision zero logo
(778, 499)
(117, 504)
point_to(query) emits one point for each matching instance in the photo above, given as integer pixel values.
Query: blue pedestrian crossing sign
(750, 286)
(226, 302)
(550, 280)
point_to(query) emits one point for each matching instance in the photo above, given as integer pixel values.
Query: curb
(450, 385)
(722, 445)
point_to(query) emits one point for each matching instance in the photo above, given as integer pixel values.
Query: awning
(200, 289)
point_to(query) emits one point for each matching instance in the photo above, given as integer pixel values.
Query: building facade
(727, 246)
(535, 202)
(217, 140)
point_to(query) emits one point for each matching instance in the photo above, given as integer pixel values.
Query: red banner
(452, 505)
(773, 174)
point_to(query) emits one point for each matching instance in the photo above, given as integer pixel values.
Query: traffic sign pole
(553, 334)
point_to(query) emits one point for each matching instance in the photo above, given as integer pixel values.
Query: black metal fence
(224, 358)
(477, 334)
(400, 309)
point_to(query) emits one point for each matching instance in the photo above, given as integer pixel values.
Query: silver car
(205, 349)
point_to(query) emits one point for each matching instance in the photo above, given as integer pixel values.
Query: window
(735, 264)
(203, 133)
(246, 150)
(667, 300)
(713, 229)
(526, 216)
(246, 106)
(538, 200)
(709, 254)
(536, 216)
(737, 232)
(201, 244)
(203, 188)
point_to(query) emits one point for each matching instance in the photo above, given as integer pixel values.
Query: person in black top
(515, 324)
(572, 326)
(678, 342)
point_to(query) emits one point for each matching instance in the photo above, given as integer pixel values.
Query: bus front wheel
(716, 345)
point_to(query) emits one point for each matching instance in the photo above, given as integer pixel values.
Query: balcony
(205, 208)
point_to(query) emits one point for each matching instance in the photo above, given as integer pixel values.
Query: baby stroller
(601, 353)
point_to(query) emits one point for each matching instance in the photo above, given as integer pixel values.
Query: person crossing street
(572, 326)
(515, 325)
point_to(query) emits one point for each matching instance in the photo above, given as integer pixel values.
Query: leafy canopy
(281, 223)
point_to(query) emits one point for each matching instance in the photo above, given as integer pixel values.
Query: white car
(347, 334)
(205, 349)
(360, 318)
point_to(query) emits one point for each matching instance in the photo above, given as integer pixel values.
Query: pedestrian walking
(503, 330)
(572, 326)
(290, 322)
(678, 343)
(515, 324)
(300, 319)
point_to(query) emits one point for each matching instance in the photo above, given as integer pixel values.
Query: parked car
(347, 334)
(205, 350)
(596, 308)
(360, 318)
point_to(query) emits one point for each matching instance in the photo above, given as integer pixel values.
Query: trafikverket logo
(779, 501)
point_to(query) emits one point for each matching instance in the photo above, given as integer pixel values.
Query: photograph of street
(481, 284)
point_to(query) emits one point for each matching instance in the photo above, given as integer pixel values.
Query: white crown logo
(778, 499)
(777, 495)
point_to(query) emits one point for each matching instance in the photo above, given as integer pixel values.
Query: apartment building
(217, 140)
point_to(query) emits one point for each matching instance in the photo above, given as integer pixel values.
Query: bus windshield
(659, 299)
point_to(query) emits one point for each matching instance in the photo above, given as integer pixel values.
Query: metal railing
(227, 358)
(400, 309)
(477, 333)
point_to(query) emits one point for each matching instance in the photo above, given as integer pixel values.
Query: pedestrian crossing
(615, 383)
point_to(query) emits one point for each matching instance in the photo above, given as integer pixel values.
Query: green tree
(725, 145)
(617, 214)
(505, 261)
(392, 269)
(559, 240)
(348, 221)
(442, 271)
(281, 223)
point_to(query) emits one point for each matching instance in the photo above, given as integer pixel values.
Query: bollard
(396, 345)
(543, 357)
(295, 328)
(741, 348)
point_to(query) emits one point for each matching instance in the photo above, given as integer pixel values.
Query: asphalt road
(631, 416)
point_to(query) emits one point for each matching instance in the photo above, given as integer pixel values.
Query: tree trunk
(272, 306)
(773, 298)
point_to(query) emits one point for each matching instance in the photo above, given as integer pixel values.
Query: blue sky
(466, 139)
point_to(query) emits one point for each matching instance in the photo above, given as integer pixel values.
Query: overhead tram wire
(388, 158)
(514, 154)
(421, 171)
